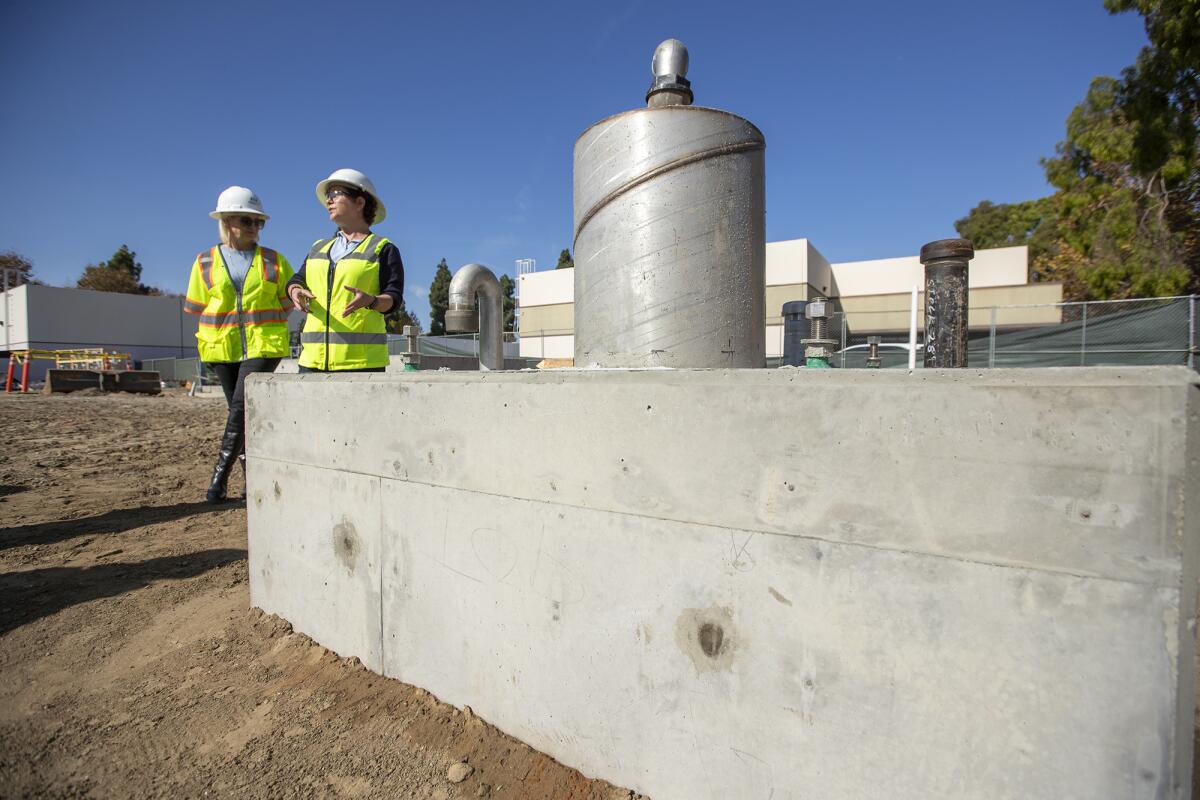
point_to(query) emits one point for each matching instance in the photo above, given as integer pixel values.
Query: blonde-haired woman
(237, 288)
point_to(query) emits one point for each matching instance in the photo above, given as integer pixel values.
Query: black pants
(343, 371)
(233, 381)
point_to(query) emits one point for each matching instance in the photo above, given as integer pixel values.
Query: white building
(875, 295)
(36, 317)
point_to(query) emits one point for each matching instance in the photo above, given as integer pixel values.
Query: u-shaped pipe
(469, 281)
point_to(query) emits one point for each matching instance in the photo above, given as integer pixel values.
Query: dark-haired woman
(348, 282)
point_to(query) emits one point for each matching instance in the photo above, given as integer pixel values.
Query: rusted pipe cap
(947, 248)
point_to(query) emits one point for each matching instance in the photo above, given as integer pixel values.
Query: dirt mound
(132, 666)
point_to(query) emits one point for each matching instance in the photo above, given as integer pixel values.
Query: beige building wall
(998, 266)
(875, 294)
(549, 319)
(890, 312)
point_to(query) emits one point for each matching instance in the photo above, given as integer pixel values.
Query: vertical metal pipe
(873, 359)
(992, 340)
(794, 331)
(843, 348)
(7, 315)
(1083, 337)
(912, 331)
(945, 263)
(470, 281)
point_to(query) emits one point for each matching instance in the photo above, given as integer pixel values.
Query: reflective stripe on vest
(339, 337)
(270, 265)
(206, 267)
(330, 340)
(224, 319)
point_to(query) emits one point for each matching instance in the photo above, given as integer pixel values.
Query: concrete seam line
(379, 555)
(1173, 586)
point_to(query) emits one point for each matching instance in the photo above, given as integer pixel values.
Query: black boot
(231, 447)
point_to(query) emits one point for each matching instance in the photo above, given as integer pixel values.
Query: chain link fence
(1139, 332)
(180, 369)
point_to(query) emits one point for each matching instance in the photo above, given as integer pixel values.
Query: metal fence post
(843, 353)
(1083, 337)
(992, 340)
(1191, 344)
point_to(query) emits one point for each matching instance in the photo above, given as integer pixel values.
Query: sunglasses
(247, 222)
(334, 194)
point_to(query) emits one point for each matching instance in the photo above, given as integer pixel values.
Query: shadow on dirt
(117, 521)
(33, 594)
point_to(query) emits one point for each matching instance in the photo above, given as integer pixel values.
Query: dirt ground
(131, 663)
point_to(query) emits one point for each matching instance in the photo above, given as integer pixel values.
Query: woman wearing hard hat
(238, 289)
(348, 282)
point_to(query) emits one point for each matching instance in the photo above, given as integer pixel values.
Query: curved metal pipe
(471, 280)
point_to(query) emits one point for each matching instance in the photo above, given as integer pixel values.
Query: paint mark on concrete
(707, 637)
(778, 596)
(346, 544)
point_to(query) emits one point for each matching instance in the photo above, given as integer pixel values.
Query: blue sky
(884, 121)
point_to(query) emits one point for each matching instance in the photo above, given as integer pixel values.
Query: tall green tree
(18, 267)
(565, 261)
(121, 273)
(399, 316)
(439, 299)
(507, 287)
(1124, 220)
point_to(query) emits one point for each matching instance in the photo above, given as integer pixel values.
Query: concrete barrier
(786, 583)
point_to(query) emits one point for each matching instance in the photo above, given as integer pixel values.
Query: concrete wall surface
(648, 576)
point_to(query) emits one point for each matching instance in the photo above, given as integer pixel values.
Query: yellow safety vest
(331, 341)
(233, 327)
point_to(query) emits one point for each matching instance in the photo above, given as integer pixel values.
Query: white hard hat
(352, 177)
(238, 200)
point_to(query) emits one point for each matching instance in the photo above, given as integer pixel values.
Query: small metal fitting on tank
(411, 357)
(669, 66)
(873, 360)
(818, 349)
(946, 301)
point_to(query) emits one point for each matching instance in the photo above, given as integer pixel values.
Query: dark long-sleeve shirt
(391, 274)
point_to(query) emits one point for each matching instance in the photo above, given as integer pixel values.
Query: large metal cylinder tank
(670, 233)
